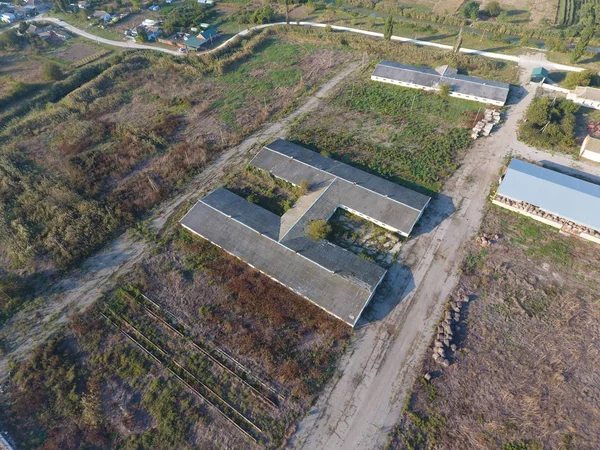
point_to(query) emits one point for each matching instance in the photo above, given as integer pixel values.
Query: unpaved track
(83, 287)
(521, 59)
(359, 410)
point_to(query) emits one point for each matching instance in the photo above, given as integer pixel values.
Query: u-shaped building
(333, 278)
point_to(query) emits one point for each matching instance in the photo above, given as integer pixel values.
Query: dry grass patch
(526, 372)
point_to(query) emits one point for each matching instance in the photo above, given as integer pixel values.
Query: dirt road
(522, 60)
(36, 323)
(360, 409)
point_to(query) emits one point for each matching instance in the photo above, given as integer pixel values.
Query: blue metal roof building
(565, 196)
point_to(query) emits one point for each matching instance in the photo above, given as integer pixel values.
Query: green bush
(318, 229)
(549, 123)
(574, 79)
(52, 71)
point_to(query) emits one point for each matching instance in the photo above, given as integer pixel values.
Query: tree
(388, 29)
(318, 229)
(584, 40)
(61, 6)
(445, 90)
(574, 79)
(142, 35)
(458, 43)
(494, 9)
(23, 26)
(470, 10)
(287, 12)
(51, 71)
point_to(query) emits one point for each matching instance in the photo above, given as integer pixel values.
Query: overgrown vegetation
(549, 123)
(91, 386)
(364, 238)
(534, 309)
(318, 229)
(407, 135)
(262, 188)
(91, 154)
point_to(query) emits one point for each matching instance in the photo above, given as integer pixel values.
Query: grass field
(402, 134)
(525, 373)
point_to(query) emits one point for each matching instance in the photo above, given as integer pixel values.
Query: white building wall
(594, 104)
(590, 155)
(427, 88)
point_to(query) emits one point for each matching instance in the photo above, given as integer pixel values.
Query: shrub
(52, 71)
(304, 187)
(445, 90)
(494, 9)
(574, 79)
(318, 229)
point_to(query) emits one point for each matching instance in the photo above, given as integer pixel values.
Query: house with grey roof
(333, 278)
(556, 199)
(461, 86)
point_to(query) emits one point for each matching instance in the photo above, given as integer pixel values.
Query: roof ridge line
(348, 181)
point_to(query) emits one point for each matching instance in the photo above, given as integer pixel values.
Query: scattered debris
(443, 346)
(491, 117)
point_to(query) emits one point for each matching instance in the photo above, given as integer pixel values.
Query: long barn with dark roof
(461, 86)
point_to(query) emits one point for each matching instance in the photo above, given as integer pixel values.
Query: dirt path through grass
(37, 322)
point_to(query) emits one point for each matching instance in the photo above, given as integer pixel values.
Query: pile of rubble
(443, 346)
(567, 225)
(485, 240)
(484, 127)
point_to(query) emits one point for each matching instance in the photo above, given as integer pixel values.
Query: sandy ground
(361, 407)
(86, 285)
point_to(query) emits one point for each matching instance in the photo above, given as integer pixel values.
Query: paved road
(524, 60)
(360, 409)
(33, 326)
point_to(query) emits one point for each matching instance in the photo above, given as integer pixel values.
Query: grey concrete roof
(568, 197)
(587, 93)
(423, 76)
(379, 199)
(340, 294)
(335, 279)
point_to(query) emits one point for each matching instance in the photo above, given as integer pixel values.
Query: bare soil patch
(76, 52)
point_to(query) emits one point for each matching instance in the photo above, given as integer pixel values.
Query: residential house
(190, 41)
(101, 15)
